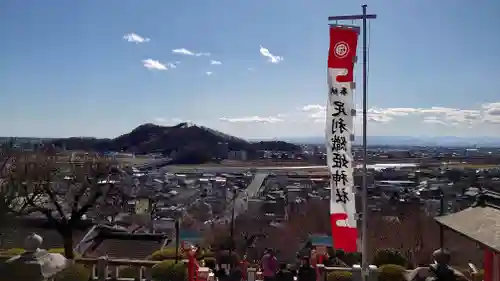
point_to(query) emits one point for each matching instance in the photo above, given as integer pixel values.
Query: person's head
(306, 261)
(270, 252)
(282, 266)
(313, 252)
(441, 257)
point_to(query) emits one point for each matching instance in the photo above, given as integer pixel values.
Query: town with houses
(159, 202)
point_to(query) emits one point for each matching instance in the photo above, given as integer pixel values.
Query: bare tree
(60, 187)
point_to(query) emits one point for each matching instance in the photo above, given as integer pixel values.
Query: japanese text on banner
(340, 127)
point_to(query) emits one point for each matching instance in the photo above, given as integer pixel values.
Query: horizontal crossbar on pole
(352, 17)
(357, 28)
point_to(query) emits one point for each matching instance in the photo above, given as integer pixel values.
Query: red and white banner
(340, 113)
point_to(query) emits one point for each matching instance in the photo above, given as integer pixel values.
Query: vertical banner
(340, 112)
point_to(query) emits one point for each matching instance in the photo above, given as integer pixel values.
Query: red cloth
(244, 269)
(344, 238)
(192, 267)
(342, 51)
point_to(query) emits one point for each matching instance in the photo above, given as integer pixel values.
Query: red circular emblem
(341, 50)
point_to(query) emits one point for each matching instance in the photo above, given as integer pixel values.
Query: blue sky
(67, 70)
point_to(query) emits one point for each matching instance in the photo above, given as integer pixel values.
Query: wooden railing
(103, 268)
(357, 273)
(109, 269)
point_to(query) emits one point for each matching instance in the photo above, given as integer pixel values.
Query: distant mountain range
(409, 141)
(185, 140)
(153, 138)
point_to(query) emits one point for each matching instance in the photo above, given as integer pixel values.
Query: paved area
(241, 201)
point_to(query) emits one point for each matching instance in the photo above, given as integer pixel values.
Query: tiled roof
(126, 249)
(481, 224)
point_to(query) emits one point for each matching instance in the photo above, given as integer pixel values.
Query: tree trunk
(67, 236)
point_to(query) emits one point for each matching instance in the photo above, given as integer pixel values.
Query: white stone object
(34, 264)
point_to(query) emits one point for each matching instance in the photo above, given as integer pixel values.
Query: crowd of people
(303, 270)
(306, 269)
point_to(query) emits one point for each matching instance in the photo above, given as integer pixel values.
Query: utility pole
(364, 17)
(177, 237)
(231, 233)
(441, 213)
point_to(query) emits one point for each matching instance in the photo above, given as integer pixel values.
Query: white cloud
(154, 64)
(309, 120)
(318, 113)
(492, 112)
(270, 57)
(215, 62)
(208, 73)
(250, 69)
(186, 52)
(433, 120)
(253, 119)
(435, 115)
(135, 38)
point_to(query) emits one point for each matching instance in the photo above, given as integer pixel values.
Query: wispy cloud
(216, 62)
(135, 38)
(154, 65)
(186, 52)
(270, 57)
(250, 69)
(434, 115)
(208, 73)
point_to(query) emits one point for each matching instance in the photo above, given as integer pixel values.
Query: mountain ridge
(185, 143)
(408, 140)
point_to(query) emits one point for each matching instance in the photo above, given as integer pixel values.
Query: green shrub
(339, 276)
(76, 272)
(168, 270)
(128, 272)
(389, 256)
(391, 272)
(165, 254)
(169, 254)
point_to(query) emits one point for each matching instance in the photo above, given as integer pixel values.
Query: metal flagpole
(364, 241)
(364, 194)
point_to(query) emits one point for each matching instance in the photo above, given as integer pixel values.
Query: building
(480, 223)
(240, 155)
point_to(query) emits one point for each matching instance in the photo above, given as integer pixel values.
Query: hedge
(389, 256)
(391, 272)
(76, 272)
(169, 271)
(339, 276)
(169, 254)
